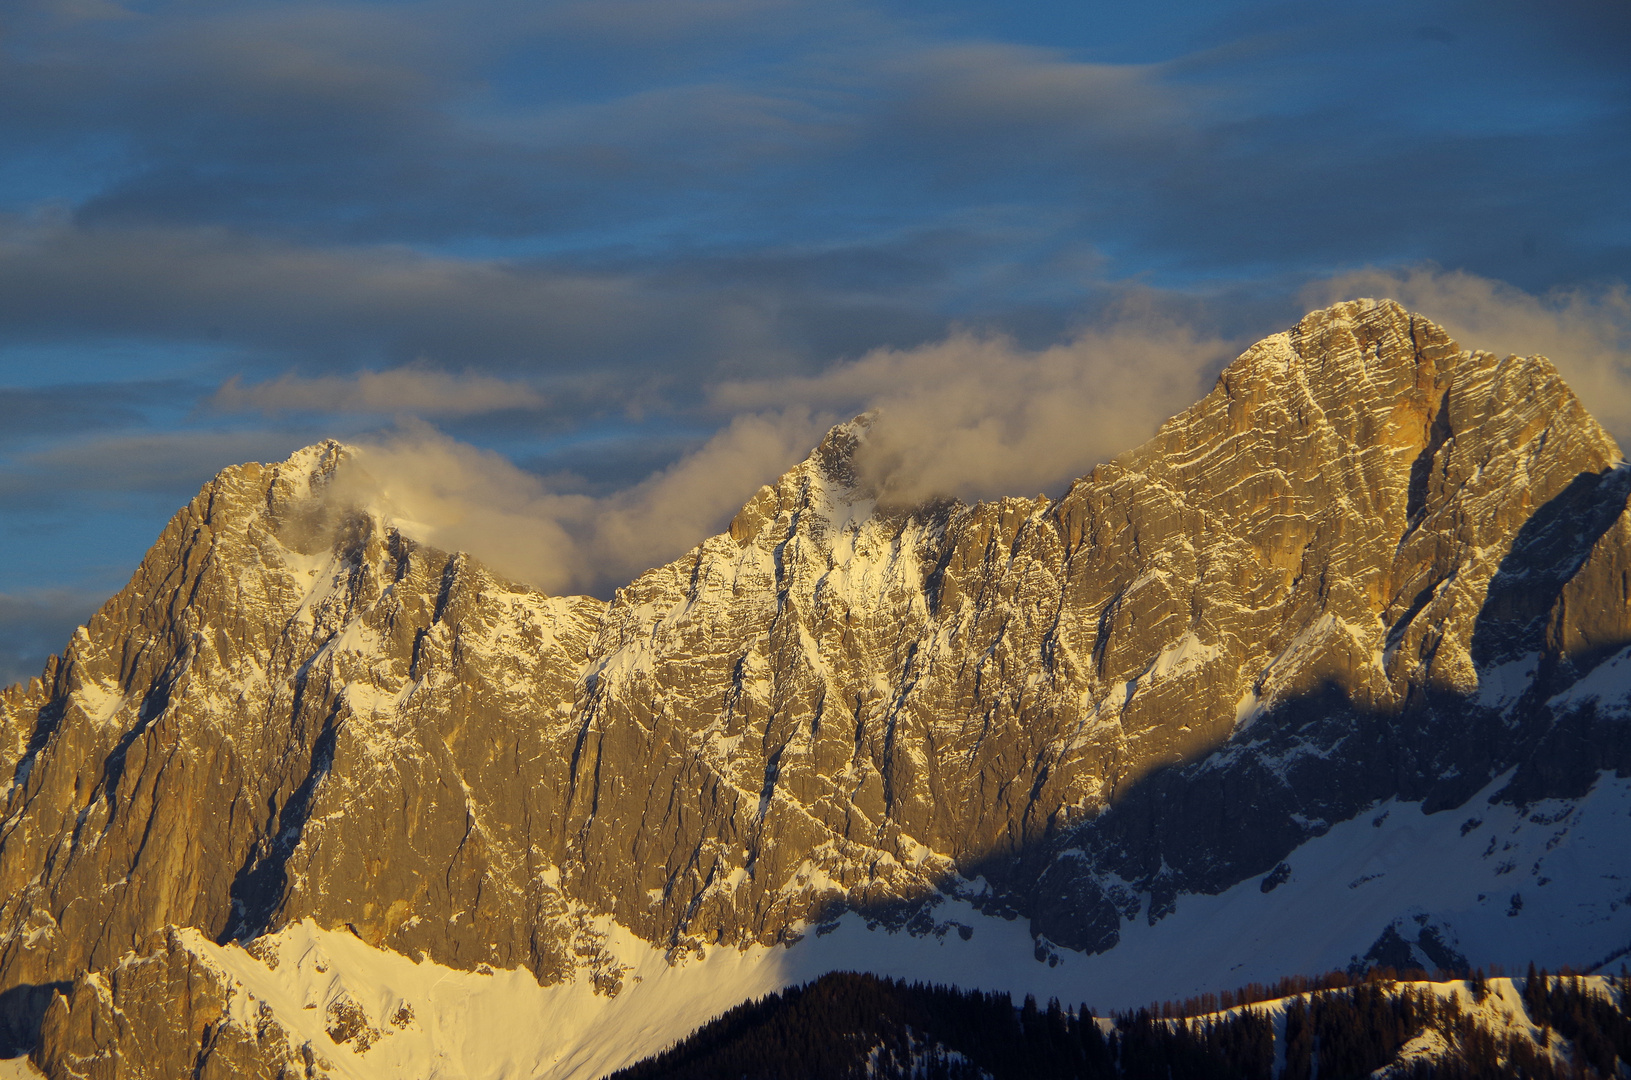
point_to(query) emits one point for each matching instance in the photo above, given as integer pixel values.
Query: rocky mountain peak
(831, 476)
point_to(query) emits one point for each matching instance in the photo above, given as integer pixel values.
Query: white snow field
(1458, 870)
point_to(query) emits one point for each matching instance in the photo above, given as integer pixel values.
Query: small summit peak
(1357, 309)
(316, 462)
(1382, 328)
(830, 473)
(835, 456)
(1348, 351)
(1352, 316)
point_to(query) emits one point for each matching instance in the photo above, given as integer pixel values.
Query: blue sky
(574, 244)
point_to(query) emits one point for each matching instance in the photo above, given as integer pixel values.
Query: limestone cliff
(1368, 564)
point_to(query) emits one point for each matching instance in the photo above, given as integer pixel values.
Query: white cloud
(460, 498)
(969, 416)
(978, 416)
(972, 416)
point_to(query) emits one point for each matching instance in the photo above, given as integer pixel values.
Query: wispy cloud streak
(410, 391)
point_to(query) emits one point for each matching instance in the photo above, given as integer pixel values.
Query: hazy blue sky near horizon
(564, 251)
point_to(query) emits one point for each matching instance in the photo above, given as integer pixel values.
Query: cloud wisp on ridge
(970, 417)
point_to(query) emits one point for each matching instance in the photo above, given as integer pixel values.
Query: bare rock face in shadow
(1367, 564)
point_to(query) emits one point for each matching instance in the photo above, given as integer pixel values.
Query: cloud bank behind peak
(971, 416)
(978, 416)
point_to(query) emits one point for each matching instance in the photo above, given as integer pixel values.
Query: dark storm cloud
(279, 303)
(1349, 140)
(1294, 151)
(424, 121)
(326, 302)
(1364, 195)
(599, 138)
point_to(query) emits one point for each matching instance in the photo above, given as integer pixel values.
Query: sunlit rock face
(290, 709)
(1368, 563)
(1210, 648)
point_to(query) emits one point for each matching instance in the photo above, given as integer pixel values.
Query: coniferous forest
(1334, 1027)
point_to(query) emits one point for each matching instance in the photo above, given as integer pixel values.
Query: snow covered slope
(350, 1011)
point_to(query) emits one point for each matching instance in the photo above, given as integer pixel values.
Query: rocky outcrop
(162, 1012)
(1368, 563)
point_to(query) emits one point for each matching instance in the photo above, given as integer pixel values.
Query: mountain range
(1332, 672)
